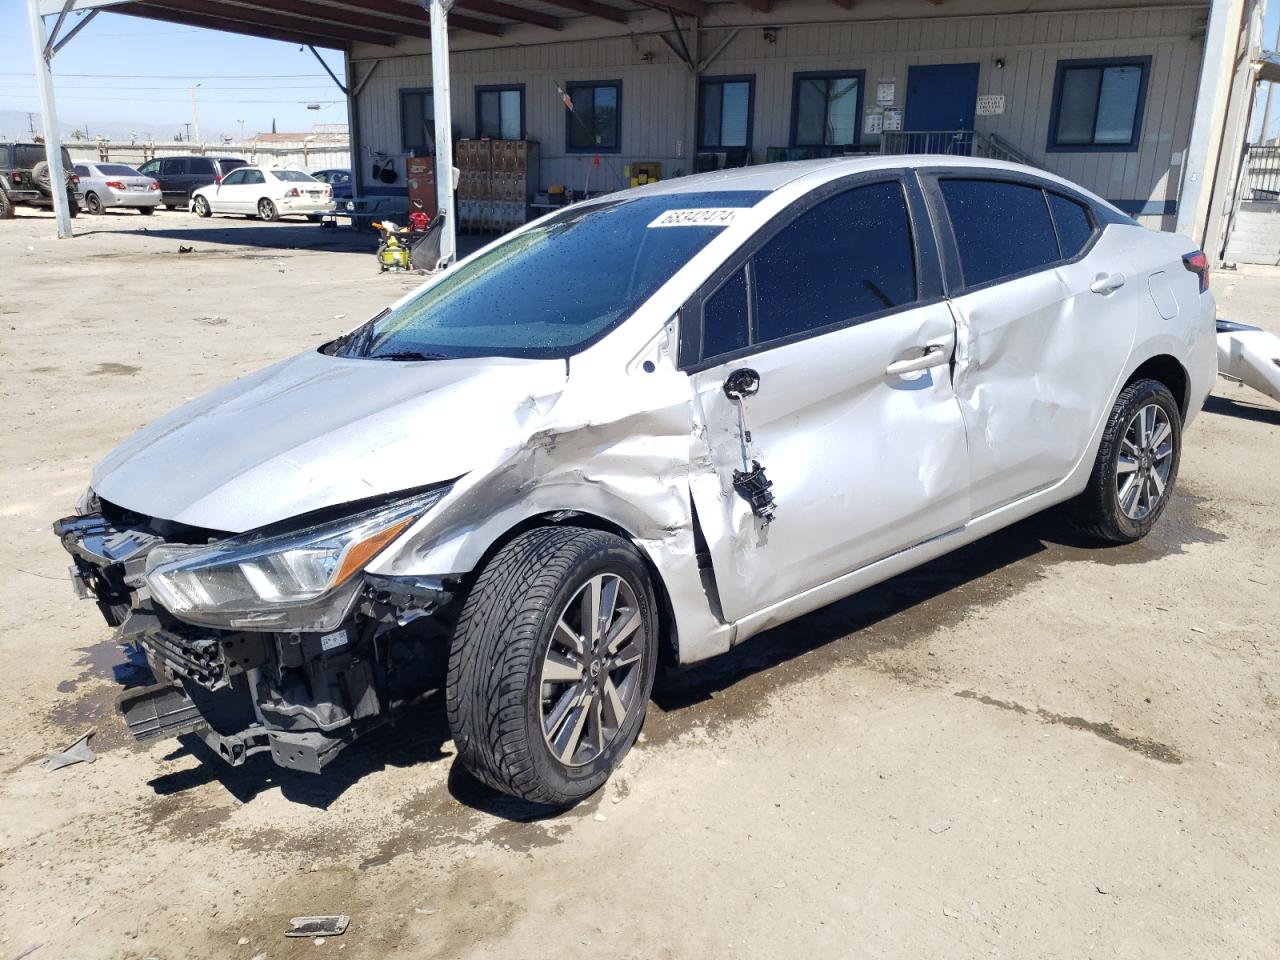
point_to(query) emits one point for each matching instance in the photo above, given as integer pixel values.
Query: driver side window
(150, 168)
(233, 178)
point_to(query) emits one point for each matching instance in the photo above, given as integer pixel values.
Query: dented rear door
(1038, 350)
(837, 358)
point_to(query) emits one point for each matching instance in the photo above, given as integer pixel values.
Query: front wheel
(267, 210)
(552, 663)
(1137, 465)
(202, 207)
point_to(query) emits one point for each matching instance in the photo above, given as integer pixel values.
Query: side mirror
(741, 384)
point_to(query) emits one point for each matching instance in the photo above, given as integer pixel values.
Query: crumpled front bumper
(300, 696)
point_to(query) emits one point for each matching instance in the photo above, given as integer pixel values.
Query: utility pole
(31, 123)
(188, 126)
(241, 122)
(49, 114)
(1266, 104)
(195, 114)
(438, 10)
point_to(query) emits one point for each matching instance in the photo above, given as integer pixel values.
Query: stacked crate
(473, 161)
(496, 180)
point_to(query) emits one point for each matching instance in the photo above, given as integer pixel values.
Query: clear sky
(126, 70)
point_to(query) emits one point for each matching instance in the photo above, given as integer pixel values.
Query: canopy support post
(439, 10)
(49, 116)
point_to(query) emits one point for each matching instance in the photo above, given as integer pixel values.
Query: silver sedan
(641, 429)
(106, 185)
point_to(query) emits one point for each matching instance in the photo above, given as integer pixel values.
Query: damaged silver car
(640, 429)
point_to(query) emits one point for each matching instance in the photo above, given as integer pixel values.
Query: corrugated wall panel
(657, 100)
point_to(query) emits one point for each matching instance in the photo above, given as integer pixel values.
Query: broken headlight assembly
(297, 580)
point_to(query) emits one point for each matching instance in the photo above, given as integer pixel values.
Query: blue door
(941, 99)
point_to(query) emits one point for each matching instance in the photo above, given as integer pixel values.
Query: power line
(174, 76)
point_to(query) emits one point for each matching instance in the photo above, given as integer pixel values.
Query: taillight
(216, 181)
(154, 186)
(1198, 264)
(293, 192)
(115, 184)
(75, 179)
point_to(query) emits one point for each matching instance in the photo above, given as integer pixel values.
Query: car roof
(774, 176)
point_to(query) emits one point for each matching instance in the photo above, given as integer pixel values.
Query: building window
(500, 112)
(594, 125)
(725, 105)
(1097, 104)
(825, 108)
(417, 119)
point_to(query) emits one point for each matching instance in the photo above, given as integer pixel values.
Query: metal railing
(1261, 173)
(957, 143)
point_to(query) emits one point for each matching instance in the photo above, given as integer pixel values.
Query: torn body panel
(1251, 356)
(864, 462)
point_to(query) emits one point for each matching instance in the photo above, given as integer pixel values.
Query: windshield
(291, 175)
(553, 289)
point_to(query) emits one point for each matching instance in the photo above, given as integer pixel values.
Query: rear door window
(846, 258)
(253, 176)
(174, 166)
(1001, 228)
(1074, 223)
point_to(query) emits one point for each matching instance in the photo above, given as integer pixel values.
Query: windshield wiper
(408, 355)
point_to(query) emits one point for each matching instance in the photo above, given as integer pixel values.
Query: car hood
(317, 431)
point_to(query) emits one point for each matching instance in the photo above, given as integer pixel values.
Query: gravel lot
(1032, 748)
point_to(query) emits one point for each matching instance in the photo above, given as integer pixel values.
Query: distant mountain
(16, 125)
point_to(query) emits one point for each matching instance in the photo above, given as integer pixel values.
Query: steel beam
(49, 117)
(444, 128)
(413, 14)
(593, 9)
(301, 26)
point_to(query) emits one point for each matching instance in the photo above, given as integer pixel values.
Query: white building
(1144, 102)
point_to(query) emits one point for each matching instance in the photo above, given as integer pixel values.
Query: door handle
(1105, 283)
(933, 356)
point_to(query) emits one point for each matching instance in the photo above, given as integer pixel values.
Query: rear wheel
(93, 204)
(267, 210)
(73, 206)
(552, 663)
(146, 211)
(6, 206)
(1137, 465)
(202, 207)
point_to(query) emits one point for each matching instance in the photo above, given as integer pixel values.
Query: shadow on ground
(1242, 411)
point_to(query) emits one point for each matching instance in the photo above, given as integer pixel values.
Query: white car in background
(117, 185)
(269, 194)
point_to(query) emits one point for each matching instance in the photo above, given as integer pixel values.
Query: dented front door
(860, 435)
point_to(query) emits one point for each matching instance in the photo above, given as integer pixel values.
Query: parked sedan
(642, 428)
(269, 194)
(339, 179)
(116, 185)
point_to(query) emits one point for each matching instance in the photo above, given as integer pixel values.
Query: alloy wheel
(592, 669)
(1145, 459)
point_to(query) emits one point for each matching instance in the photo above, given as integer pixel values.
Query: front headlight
(297, 580)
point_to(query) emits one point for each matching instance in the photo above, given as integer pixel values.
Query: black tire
(495, 687)
(73, 208)
(267, 210)
(1098, 511)
(202, 207)
(93, 203)
(6, 206)
(146, 211)
(172, 206)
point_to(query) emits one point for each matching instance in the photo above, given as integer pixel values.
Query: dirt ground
(1032, 748)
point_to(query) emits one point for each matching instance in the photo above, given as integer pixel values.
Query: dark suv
(179, 176)
(24, 178)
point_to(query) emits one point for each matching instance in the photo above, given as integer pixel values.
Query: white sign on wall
(886, 91)
(873, 120)
(990, 104)
(892, 119)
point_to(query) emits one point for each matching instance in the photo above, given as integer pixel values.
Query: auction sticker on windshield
(699, 217)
